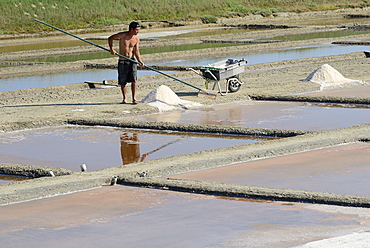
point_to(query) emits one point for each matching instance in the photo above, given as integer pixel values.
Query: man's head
(134, 28)
(133, 25)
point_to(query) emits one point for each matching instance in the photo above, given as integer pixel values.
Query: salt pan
(165, 100)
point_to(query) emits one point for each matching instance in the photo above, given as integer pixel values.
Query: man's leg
(123, 90)
(133, 90)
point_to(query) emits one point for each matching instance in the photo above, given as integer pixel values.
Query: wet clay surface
(340, 169)
(138, 217)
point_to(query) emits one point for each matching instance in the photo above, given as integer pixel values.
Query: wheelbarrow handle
(191, 69)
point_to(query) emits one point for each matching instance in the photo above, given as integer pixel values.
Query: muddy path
(53, 106)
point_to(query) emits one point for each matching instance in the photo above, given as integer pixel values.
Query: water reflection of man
(130, 148)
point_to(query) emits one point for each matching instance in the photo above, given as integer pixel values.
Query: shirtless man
(128, 47)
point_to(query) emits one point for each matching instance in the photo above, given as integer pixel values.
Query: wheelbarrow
(228, 69)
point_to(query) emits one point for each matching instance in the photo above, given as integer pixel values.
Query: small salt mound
(165, 100)
(330, 78)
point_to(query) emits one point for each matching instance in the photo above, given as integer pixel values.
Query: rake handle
(91, 43)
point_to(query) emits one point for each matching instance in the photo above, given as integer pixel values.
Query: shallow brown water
(122, 216)
(268, 114)
(98, 148)
(8, 179)
(341, 169)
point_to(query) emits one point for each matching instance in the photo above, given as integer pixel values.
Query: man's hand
(113, 52)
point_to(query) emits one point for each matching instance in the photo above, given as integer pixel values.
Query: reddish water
(341, 169)
(118, 216)
(268, 114)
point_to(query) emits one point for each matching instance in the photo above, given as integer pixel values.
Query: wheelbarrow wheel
(233, 84)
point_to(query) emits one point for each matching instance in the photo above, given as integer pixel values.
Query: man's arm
(110, 42)
(137, 53)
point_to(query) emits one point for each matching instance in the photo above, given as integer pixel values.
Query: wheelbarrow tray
(223, 69)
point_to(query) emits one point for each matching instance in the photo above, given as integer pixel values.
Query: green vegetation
(17, 15)
(208, 19)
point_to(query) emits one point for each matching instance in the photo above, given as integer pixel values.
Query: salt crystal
(328, 77)
(165, 99)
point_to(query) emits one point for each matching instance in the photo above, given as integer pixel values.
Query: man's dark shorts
(127, 72)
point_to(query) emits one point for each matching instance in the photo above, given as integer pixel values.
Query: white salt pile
(329, 78)
(165, 100)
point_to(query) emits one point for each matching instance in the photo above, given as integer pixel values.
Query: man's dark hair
(133, 25)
